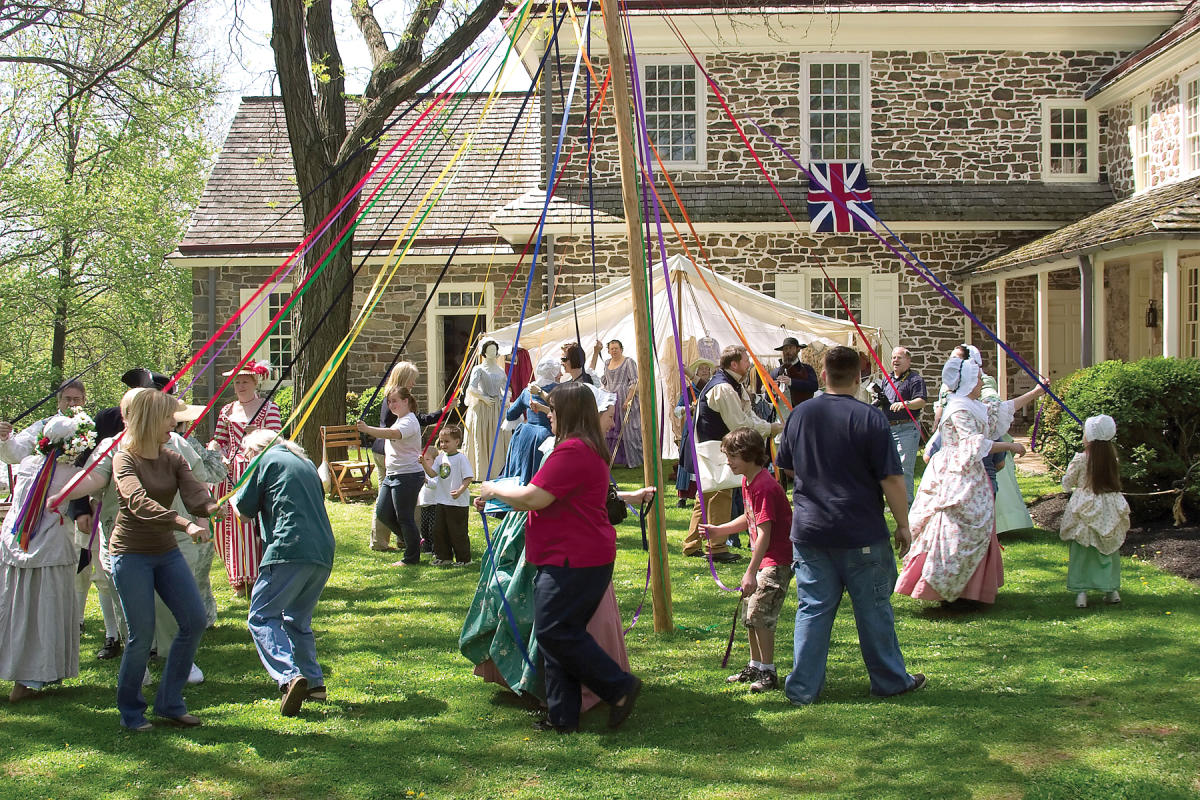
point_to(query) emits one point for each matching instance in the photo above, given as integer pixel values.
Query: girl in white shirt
(396, 505)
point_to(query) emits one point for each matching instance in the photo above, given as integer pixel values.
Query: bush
(358, 407)
(283, 399)
(1154, 403)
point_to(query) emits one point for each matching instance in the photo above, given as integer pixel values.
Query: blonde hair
(403, 374)
(145, 411)
(256, 441)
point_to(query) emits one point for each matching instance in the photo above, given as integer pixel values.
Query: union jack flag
(847, 183)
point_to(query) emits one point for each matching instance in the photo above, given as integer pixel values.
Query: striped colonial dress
(238, 543)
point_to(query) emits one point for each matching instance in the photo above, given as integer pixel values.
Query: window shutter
(883, 305)
(792, 288)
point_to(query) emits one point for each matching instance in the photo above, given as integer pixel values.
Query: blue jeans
(869, 575)
(396, 509)
(280, 620)
(564, 600)
(907, 437)
(138, 577)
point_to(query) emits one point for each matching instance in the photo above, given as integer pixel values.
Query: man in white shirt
(14, 448)
(724, 404)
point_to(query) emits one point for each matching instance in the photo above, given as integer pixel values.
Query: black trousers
(564, 600)
(450, 540)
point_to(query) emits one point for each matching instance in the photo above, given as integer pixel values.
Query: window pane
(835, 104)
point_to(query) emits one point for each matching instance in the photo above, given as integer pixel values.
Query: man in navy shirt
(906, 434)
(840, 452)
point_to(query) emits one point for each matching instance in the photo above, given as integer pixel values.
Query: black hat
(791, 342)
(142, 378)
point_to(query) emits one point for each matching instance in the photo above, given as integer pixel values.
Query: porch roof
(1164, 212)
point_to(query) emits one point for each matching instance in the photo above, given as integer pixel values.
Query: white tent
(607, 314)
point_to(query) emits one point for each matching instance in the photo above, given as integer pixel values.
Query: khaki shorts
(761, 609)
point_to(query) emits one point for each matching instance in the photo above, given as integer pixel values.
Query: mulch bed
(1175, 550)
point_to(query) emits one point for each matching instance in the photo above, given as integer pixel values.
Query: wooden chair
(348, 478)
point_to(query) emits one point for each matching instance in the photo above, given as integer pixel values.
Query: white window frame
(701, 160)
(259, 320)
(1140, 149)
(1093, 142)
(1189, 145)
(433, 366)
(1189, 308)
(864, 62)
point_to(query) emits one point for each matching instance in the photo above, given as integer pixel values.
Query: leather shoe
(620, 711)
(185, 721)
(294, 696)
(726, 558)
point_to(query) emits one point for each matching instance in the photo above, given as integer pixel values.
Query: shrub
(358, 406)
(283, 399)
(1154, 404)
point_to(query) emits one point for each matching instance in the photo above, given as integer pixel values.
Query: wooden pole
(660, 577)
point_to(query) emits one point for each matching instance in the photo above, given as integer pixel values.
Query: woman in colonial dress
(485, 404)
(621, 378)
(487, 638)
(955, 553)
(237, 541)
(39, 613)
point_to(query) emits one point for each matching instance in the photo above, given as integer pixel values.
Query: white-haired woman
(237, 542)
(955, 554)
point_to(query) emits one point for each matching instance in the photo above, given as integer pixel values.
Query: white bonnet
(960, 376)
(1100, 428)
(604, 399)
(547, 370)
(973, 355)
(59, 428)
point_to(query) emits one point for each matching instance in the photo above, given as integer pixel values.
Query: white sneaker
(146, 679)
(1113, 597)
(1081, 600)
(195, 676)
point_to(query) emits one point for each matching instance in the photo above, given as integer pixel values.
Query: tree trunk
(58, 344)
(322, 294)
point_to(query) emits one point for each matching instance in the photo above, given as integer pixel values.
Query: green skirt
(1091, 570)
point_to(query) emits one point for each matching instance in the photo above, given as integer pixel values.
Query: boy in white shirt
(449, 479)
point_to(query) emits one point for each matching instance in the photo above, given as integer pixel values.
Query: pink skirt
(985, 581)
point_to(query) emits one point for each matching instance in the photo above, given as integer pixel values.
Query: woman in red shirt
(574, 546)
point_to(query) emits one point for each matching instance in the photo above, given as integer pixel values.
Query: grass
(1032, 699)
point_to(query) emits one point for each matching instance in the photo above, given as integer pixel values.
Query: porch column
(1002, 335)
(1087, 301)
(1043, 323)
(966, 299)
(1099, 314)
(1170, 301)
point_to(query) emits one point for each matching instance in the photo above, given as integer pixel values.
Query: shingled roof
(1168, 211)
(1182, 30)
(244, 209)
(732, 203)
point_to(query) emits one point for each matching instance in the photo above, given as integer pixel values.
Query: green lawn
(1030, 699)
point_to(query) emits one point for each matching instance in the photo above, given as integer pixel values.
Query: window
(1189, 101)
(835, 99)
(277, 348)
(1069, 142)
(824, 301)
(675, 111)
(1141, 146)
(873, 297)
(1190, 299)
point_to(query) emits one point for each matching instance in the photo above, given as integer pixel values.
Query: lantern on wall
(1151, 315)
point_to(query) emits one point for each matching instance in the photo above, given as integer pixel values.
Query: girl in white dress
(1097, 517)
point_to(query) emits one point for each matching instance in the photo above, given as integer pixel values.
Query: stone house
(985, 128)
(247, 224)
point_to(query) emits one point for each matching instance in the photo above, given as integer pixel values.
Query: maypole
(660, 579)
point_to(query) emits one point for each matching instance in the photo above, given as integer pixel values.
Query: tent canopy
(607, 314)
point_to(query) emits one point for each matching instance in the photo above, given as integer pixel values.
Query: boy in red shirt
(768, 518)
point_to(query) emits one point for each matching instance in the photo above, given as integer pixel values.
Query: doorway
(448, 336)
(1065, 332)
(453, 346)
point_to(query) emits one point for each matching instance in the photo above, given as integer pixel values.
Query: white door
(1141, 289)
(1065, 334)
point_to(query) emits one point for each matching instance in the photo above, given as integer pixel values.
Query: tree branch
(412, 42)
(328, 75)
(364, 17)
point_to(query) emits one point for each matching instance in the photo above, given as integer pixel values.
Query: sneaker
(111, 649)
(441, 562)
(918, 683)
(1113, 597)
(768, 681)
(747, 675)
(195, 676)
(726, 558)
(462, 563)
(1081, 600)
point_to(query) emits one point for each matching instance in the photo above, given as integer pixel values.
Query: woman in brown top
(146, 559)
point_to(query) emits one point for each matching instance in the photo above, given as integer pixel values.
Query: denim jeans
(869, 575)
(396, 508)
(907, 437)
(138, 577)
(280, 620)
(564, 600)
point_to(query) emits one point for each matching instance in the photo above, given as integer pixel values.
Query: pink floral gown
(238, 543)
(955, 552)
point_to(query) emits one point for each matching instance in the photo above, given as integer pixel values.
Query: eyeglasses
(564, 360)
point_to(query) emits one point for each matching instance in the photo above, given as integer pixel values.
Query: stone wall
(929, 326)
(1115, 125)
(983, 305)
(972, 116)
(383, 332)
(1116, 325)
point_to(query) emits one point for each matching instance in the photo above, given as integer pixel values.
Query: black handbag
(615, 506)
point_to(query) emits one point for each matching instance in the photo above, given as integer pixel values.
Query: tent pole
(660, 577)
